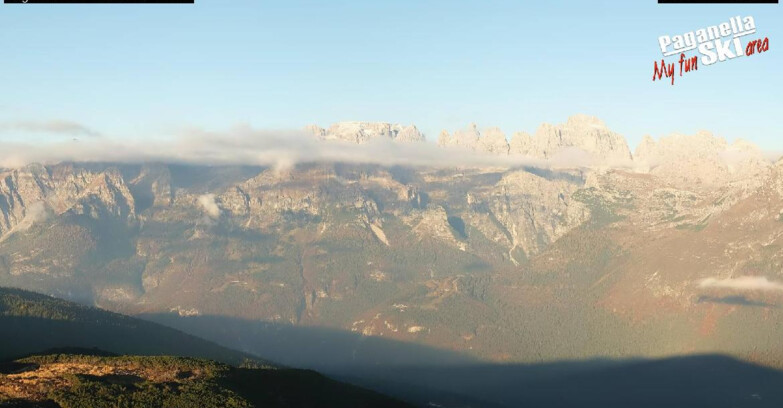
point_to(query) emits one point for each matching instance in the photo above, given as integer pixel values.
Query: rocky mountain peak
(492, 141)
(702, 158)
(583, 132)
(645, 146)
(468, 137)
(362, 132)
(61, 188)
(521, 143)
(410, 134)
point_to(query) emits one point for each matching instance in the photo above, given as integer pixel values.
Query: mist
(742, 283)
(210, 207)
(245, 145)
(283, 149)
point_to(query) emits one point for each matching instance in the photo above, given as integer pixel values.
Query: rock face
(26, 192)
(530, 210)
(362, 132)
(152, 187)
(582, 132)
(17, 188)
(700, 159)
(585, 133)
(466, 138)
(492, 141)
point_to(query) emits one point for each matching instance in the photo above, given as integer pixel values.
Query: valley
(600, 261)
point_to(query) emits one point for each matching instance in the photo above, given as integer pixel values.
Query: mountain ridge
(476, 259)
(582, 132)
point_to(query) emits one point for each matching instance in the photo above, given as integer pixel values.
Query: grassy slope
(71, 381)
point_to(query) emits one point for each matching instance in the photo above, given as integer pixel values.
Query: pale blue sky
(145, 70)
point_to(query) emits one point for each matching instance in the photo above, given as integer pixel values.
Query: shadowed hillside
(87, 376)
(32, 323)
(693, 381)
(311, 347)
(424, 375)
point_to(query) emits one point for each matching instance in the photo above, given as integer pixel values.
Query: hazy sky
(142, 71)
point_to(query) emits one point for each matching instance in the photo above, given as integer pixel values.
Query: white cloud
(282, 149)
(210, 207)
(36, 213)
(742, 283)
(249, 146)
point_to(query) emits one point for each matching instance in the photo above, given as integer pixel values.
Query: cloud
(210, 207)
(282, 149)
(742, 283)
(244, 145)
(573, 157)
(52, 126)
(37, 213)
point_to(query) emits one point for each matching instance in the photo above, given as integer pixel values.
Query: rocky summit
(581, 132)
(676, 249)
(362, 132)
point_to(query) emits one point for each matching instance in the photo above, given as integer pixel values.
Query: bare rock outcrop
(586, 133)
(35, 189)
(492, 141)
(528, 211)
(362, 132)
(152, 187)
(700, 160)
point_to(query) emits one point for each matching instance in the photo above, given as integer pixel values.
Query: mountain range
(583, 251)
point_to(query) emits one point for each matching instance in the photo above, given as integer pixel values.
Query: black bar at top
(717, 1)
(99, 1)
